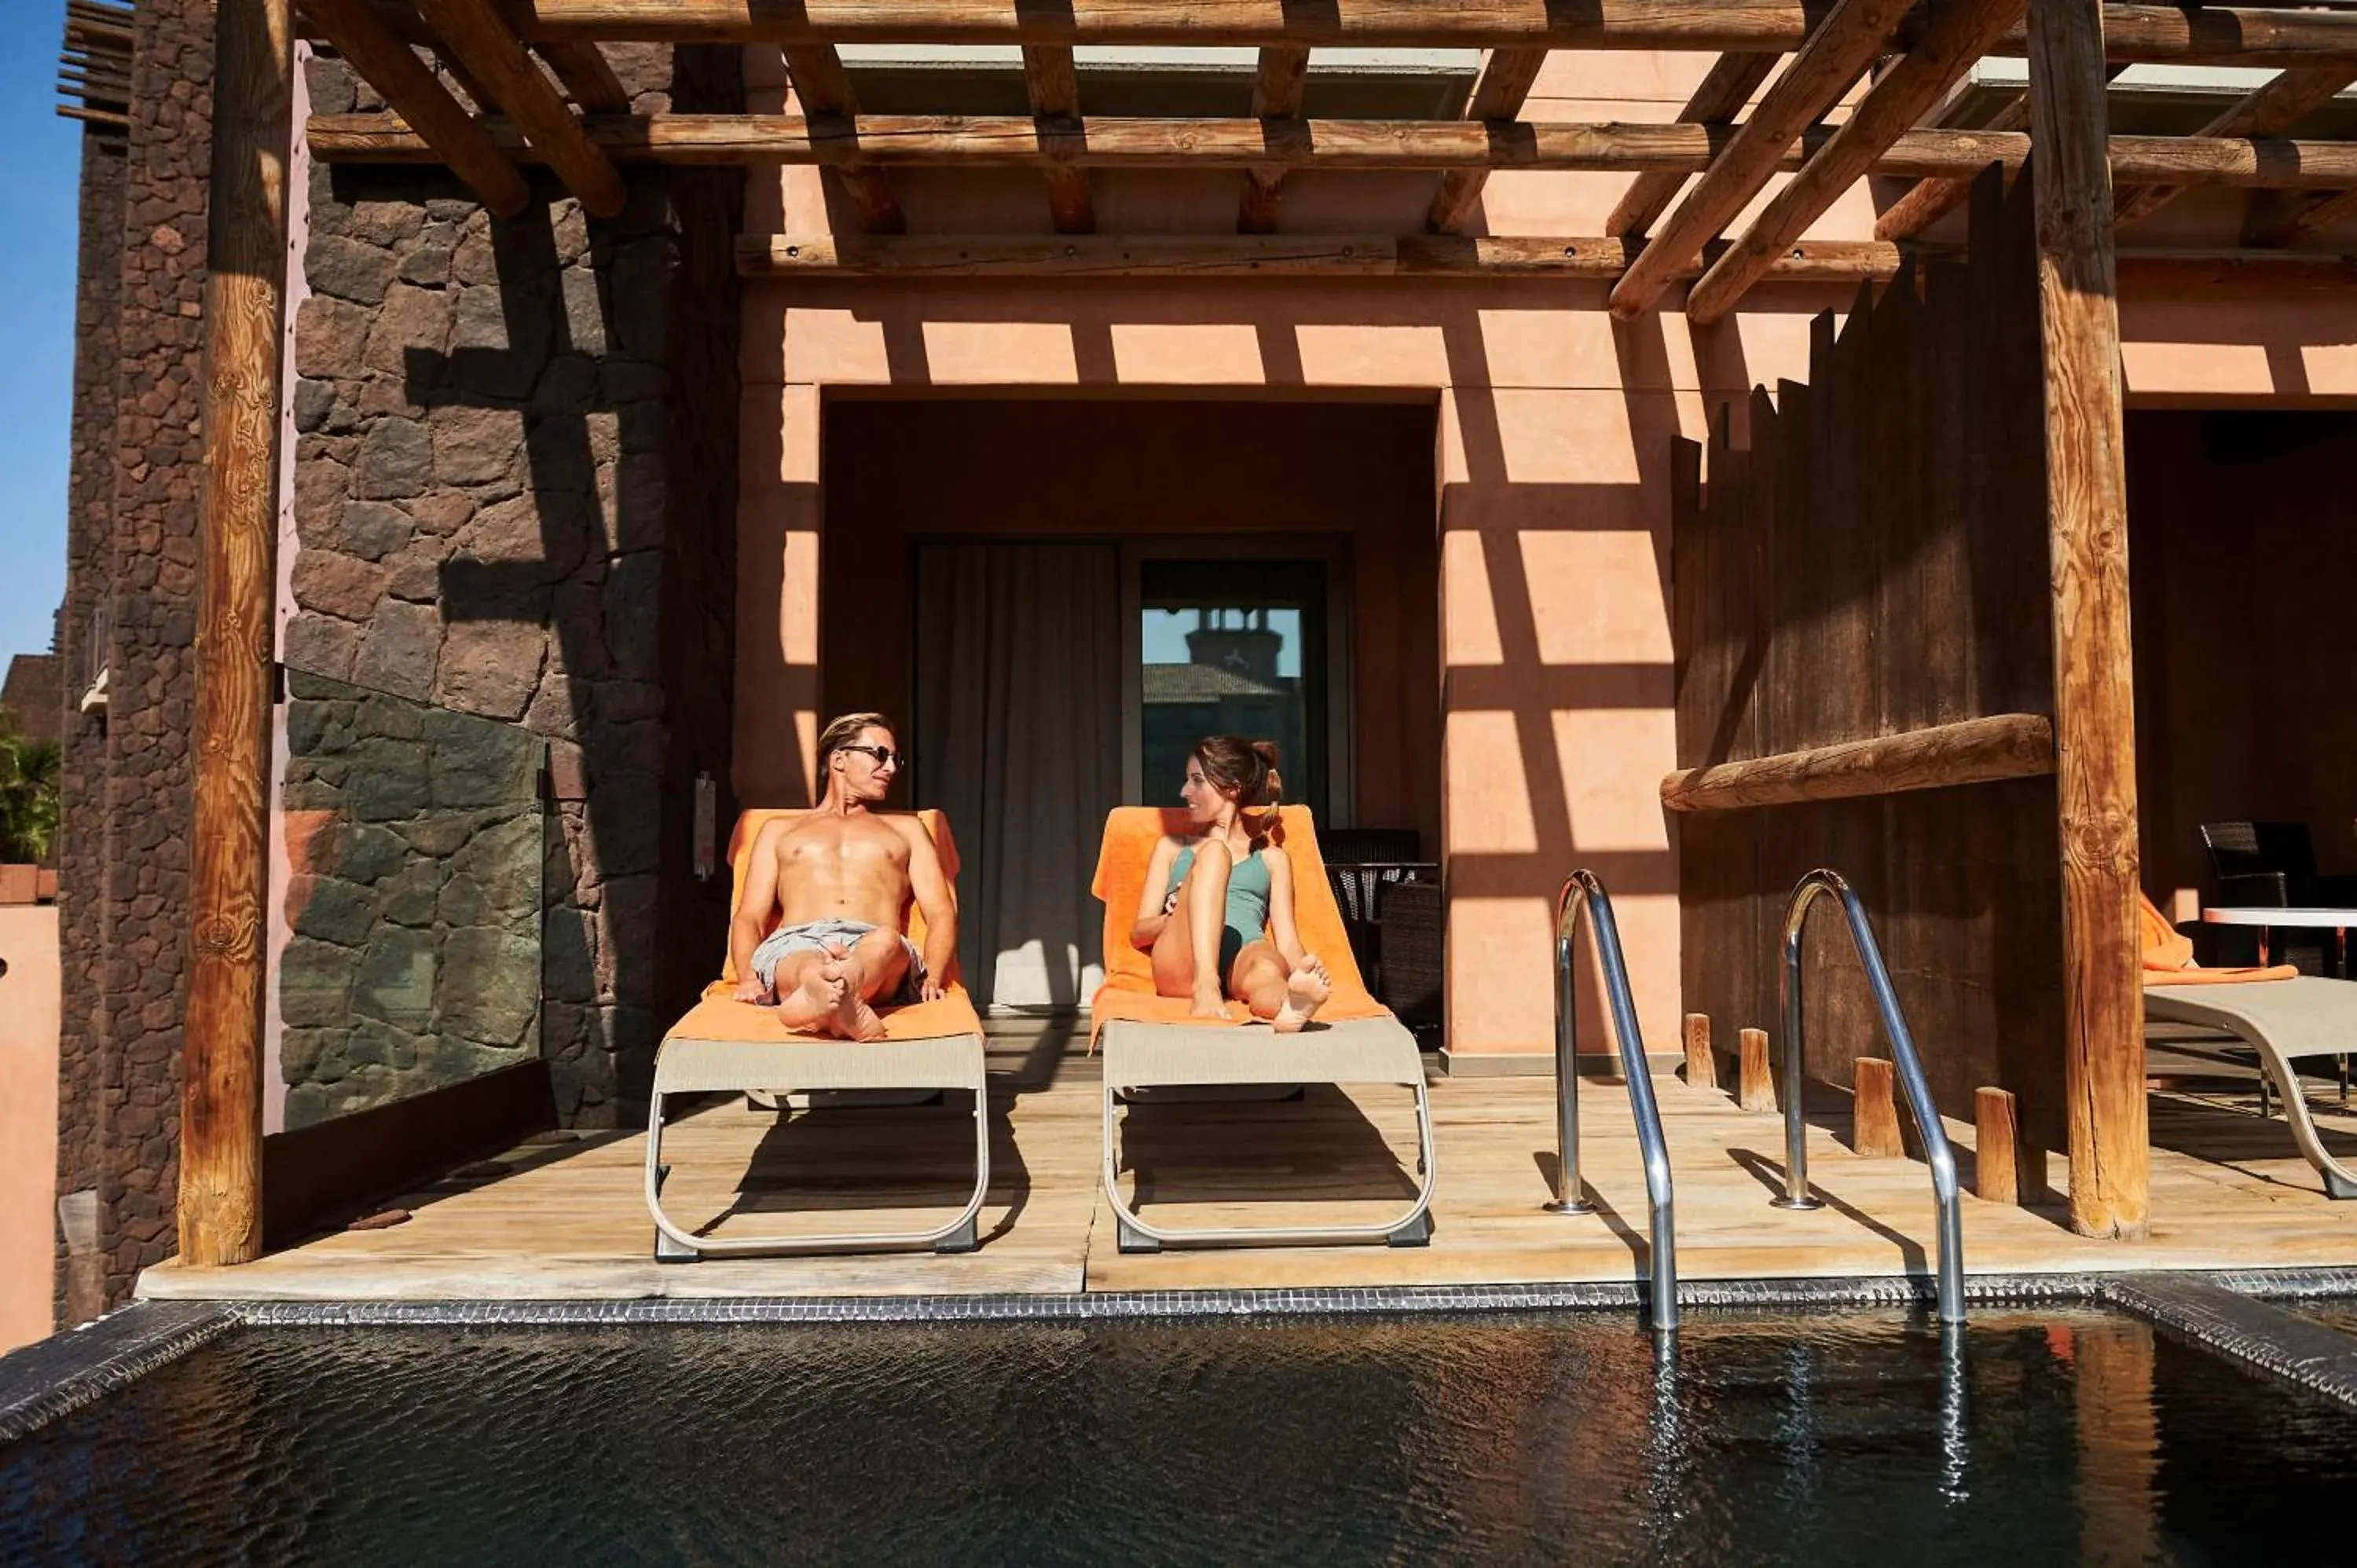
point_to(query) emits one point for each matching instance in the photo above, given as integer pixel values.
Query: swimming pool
(1822, 1439)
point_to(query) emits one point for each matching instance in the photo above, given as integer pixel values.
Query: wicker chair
(2272, 866)
(1398, 949)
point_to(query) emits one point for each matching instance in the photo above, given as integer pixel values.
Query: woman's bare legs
(1194, 928)
(1288, 998)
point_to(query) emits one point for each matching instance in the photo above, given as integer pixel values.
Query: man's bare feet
(1305, 990)
(809, 1008)
(853, 1018)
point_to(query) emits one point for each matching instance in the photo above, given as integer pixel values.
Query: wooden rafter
(1507, 77)
(1724, 89)
(1933, 199)
(496, 58)
(468, 84)
(1834, 55)
(1961, 36)
(95, 68)
(1055, 92)
(437, 119)
(2213, 35)
(582, 68)
(823, 87)
(2282, 103)
(1014, 142)
(1276, 95)
(1597, 260)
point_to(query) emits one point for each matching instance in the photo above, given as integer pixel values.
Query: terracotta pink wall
(29, 1121)
(1555, 660)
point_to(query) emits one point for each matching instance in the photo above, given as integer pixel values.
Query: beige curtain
(1018, 739)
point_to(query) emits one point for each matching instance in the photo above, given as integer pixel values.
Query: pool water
(2069, 1436)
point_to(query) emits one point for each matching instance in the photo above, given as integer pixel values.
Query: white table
(2337, 921)
(2308, 918)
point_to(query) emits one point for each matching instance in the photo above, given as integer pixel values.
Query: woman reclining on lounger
(1213, 891)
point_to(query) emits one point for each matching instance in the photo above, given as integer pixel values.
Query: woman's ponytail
(1247, 769)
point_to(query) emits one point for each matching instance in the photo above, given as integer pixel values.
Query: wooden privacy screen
(1874, 565)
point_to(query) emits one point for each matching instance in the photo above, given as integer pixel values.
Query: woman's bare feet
(853, 1018)
(1208, 1004)
(1305, 990)
(810, 1007)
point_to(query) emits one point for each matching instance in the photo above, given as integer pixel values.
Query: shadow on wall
(481, 496)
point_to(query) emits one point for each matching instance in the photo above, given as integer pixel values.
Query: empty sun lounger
(2284, 1021)
(726, 1046)
(1151, 1043)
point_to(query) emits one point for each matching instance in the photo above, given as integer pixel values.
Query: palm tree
(28, 795)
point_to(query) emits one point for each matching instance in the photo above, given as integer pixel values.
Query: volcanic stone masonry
(483, 497)
(515, 503)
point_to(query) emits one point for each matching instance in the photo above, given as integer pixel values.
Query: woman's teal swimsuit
(1246, 917)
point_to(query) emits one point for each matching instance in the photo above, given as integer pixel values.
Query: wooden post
(1874, 1111)
(1702, 1065)
(1755, 1086)
(2005, 1171)
(221, 1067)
(2094, 714)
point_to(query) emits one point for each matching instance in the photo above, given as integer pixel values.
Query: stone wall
(132, 591)
(515, 502)
(415, 837)
(81, 638)
(492, 482)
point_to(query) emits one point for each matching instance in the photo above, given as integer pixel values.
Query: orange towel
(2168, 956)
(720, 1017)
(1131, 832)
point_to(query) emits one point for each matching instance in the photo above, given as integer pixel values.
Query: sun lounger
(2285, 1022)
(725, 1045)
(1151, 1044)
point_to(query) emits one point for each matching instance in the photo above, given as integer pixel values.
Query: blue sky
(39, 185)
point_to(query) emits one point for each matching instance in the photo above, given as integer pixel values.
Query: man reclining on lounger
(837, 877)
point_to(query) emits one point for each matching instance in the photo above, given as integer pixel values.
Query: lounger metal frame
(2215, 1007)
(1252, 1054)
(952, 1061)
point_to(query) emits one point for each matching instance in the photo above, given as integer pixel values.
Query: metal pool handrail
(1936, 1154)
(1581, 890)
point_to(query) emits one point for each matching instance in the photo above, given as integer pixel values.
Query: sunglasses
(882, 754)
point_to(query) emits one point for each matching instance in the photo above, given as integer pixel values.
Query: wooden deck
(567, 1221)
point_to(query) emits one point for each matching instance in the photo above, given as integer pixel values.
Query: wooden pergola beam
(823, 87)
(2095, 708)
(1724, 89)
(1961, 36)
(1276, 95)
(1933, 199)
(2282, 103)
(437, 120)
(582, 68)
(220, 1198)
(1055, 94)
(1015, 142)
(1970, 751)
(1597, 260)
(1506, 80)
(2208, 34)
(496, 57)
(1834, 55)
